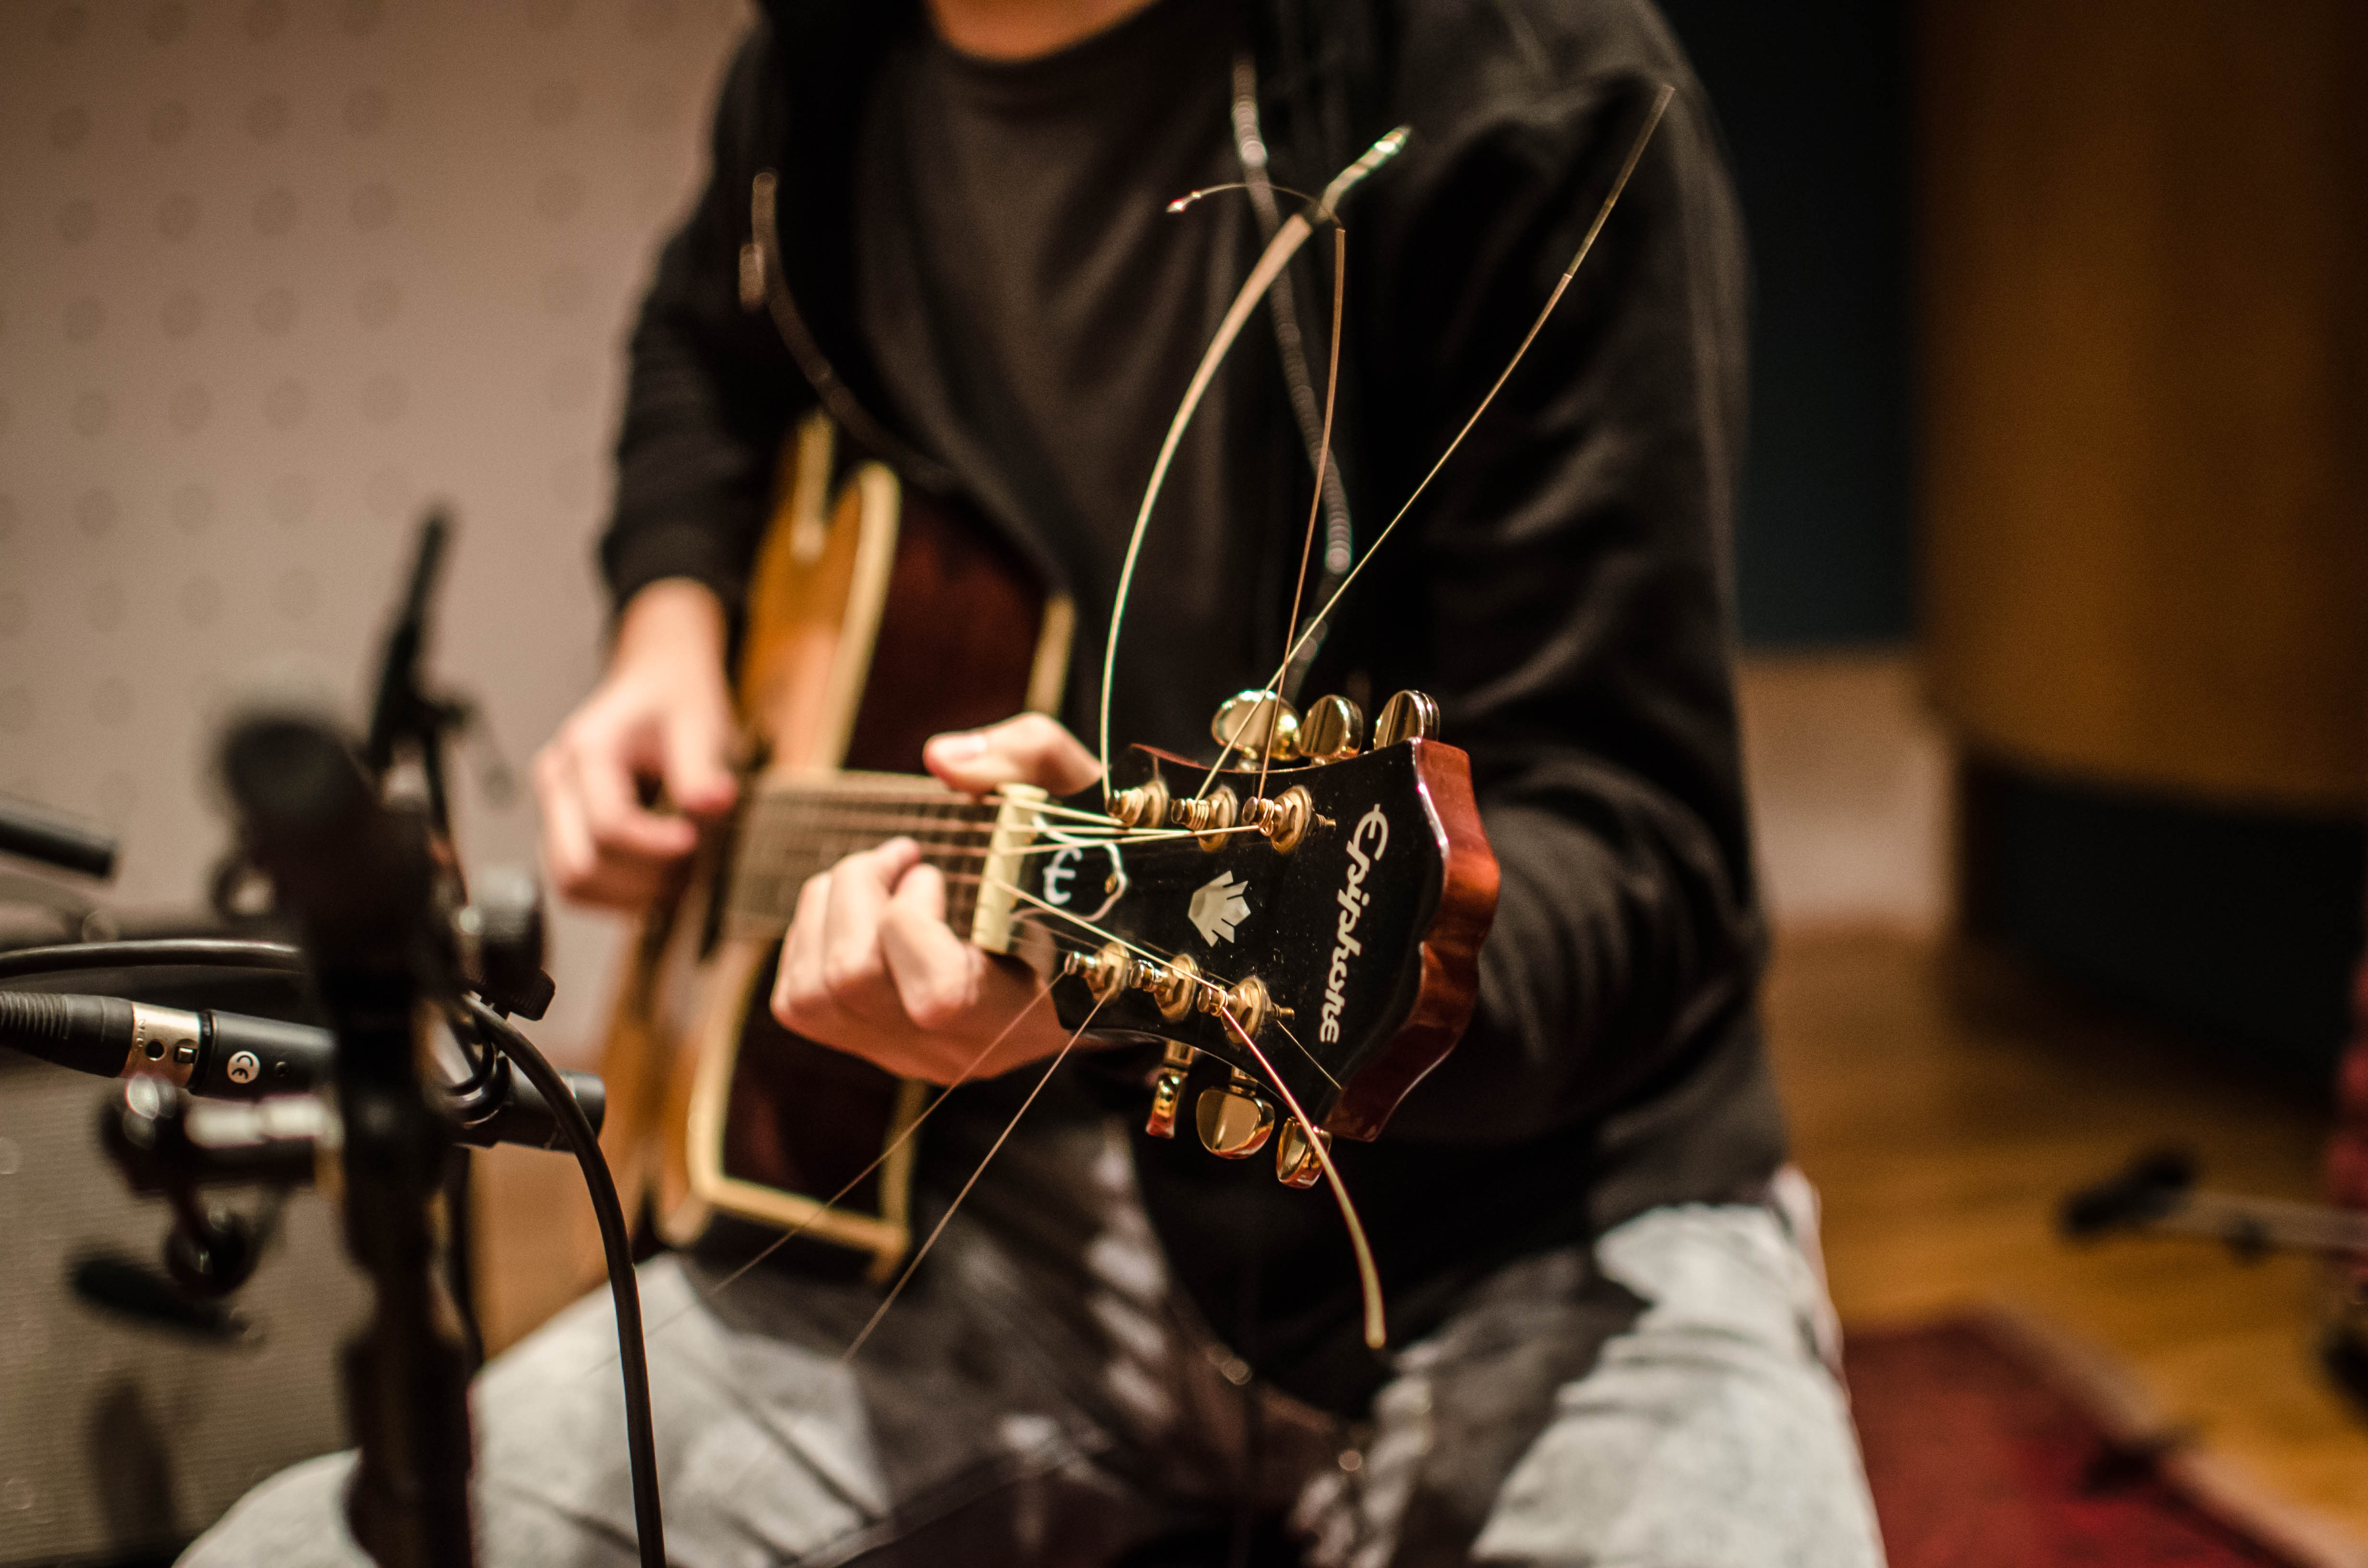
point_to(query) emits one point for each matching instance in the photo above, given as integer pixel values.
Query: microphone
(235, 1056)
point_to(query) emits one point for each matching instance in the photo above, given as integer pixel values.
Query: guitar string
(1190, 197)
(1279, 250)
(828, 1205)
(943, 1219)
(851, 824)
(777, 799)
(1217, 987)
(764, 896)
(1315, 504)
(1369, 1277)
(1636, 153)
(709, 1295)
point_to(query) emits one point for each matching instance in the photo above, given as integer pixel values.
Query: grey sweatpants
(1040, 1397)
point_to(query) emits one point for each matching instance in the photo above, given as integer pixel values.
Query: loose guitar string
(1315, 504)
(1368, 1275)
(827, 1205)
(709, 1295)
(1369, 1278)
(946, 1218)
(1636, 153)
(1279, 250)
(1190, 197)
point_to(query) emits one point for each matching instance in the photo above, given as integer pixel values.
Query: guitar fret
(793, 830)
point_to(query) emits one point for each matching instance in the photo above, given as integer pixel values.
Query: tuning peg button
(1234, 1120)
(1167, 1096)
(1296, 1162)
(1167, 1090)
(1257, 725)
(1332, 731)
(1406, 716)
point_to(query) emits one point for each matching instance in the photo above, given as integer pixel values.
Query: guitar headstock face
(1338, 923)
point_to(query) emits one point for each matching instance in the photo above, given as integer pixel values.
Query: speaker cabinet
(121, 1439)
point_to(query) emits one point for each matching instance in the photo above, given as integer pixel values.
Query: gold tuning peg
(1168, 1090)
(1258, 725)
(1406, 716)
(1247, 999)
(1332, 731)
(1282, 818)
(1106, 973)
(1234, 1120)
(1295, 1162)
(1173, 984)
(1145, 805)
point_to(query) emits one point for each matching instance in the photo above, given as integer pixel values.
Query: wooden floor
(1943, 1104)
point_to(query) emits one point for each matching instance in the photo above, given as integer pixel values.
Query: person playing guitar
(935, 258)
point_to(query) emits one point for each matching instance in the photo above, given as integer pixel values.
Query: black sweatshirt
(1562, 588)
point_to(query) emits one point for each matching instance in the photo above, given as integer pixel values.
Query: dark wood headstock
(1363, 933)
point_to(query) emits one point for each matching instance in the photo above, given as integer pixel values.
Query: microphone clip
(170, 1145)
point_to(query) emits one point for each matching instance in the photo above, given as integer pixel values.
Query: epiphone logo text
(1366, 842)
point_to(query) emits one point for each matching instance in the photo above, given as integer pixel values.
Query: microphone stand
(374, 894)
(357, 877)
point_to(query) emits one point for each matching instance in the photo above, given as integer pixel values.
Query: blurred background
(2052, 569)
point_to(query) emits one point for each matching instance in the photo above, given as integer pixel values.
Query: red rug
(1987, 1445)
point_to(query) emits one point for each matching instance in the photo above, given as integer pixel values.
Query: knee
(296, 1519)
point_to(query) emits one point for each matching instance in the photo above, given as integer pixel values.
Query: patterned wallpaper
(275, 274)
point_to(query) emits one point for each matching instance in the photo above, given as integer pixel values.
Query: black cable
(460, 1255)
(202, 952)
(641, 1440)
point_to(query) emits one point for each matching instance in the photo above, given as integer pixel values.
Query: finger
(697, 743)
(567, 852)
(1029, 749)
(801, 1000)
(620, 825)
(936, 974)
(860, 890)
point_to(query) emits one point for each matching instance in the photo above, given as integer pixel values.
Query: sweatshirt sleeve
(1564, 585)
(710, 392)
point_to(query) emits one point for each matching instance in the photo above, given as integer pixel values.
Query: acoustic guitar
(1313, 916)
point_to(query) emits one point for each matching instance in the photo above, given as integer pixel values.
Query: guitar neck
(794, 828)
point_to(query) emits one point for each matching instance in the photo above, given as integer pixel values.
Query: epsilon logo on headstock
(1218, 907)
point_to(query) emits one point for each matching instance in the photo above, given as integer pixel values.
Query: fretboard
(794, 828)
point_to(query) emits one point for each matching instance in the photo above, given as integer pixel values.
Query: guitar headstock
(1336, 913)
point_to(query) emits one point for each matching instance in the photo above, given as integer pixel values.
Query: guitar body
(876, 619)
